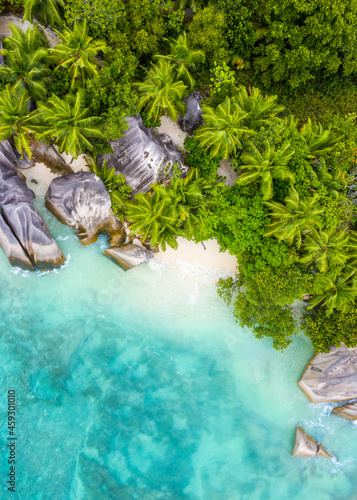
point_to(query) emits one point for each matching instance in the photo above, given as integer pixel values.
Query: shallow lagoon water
(140, 385)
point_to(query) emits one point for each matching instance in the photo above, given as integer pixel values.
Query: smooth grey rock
(12, 248)
(82, 202)
(306, 446)
(43, 153)
(141, 154)
(12, 188)
(192, 119)
(31, 231)
(331, 377)
(129, 255)
(347, 411)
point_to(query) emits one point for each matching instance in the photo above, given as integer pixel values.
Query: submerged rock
(331, 377)
(306, 446)
(347, 411)
(129, 255)
(23, 234)
(82, 202)
(141, 155)
(192, 119)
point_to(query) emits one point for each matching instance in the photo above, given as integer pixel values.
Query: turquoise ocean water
(140, 385)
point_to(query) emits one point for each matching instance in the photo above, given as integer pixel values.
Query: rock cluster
(23, 234)
(306, 446)
(142, 155)
(192, 119)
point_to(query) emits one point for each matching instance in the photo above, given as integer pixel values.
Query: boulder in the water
(192, 119)
(142, 156)
(129, 255)
(82, 202)
(332, 376)
(306, 446)
(347, 411)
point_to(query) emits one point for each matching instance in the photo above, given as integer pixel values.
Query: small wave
(26, 274)
(62, 238)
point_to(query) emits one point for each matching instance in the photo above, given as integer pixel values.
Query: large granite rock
(82, 202)
(23, 234)
(347, 411)
(192, 119)
(140, 155)
(43, 153)
(331, 377)
(129, 255)
(306, 446)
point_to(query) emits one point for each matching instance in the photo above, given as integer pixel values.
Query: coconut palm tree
(68, 123)
(183, 59)
(48, 12)
(223, 129)
(261, 109)
(27, 71)
(333, 180)
(161, 92)
(77, 52)
(326, 248)
(192, 4)
(266, 166)
(148, 217)
(294, 218)
(15, 119)
(319, 140)
(27, 42)
(341, 293)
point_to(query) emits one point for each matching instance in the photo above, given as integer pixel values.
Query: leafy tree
(294, 218)
(15, 119)
(327, 248)
(161, 92)
(266, 166)
(68, 123)
(223, 129)
(47, 11)
(199, 159)
(194, 5)
(77, 53)
(340, 294)
(183, 59)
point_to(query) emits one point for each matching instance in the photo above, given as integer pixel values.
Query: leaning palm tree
(27, 42)
(319, 140)
(261, 109)
(15, 119)
(266, 166)
(326, 248)
(293, 219)
(223, 129)
(161, 92)
(47, 11)
(184, 59)
(342, 292)
(77, 52)
(68, 123)
(27, 71)
(148, 217)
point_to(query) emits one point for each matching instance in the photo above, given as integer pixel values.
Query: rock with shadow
(192, 119)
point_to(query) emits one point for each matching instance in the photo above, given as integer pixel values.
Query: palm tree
(261, 109)
(161, 92)
(183, 59)
(341, 293)
(192, 4)
(148, 217)
(294, 218)
(15, 119)
(326, 248)
(223, 129)
(266, 166)
(77, 53)
(333, 180)
(47, 11)
(319, 140)
(27, 71)
(27, 42)
(68, 123)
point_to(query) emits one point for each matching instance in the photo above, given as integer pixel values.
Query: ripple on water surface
(140, 385)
